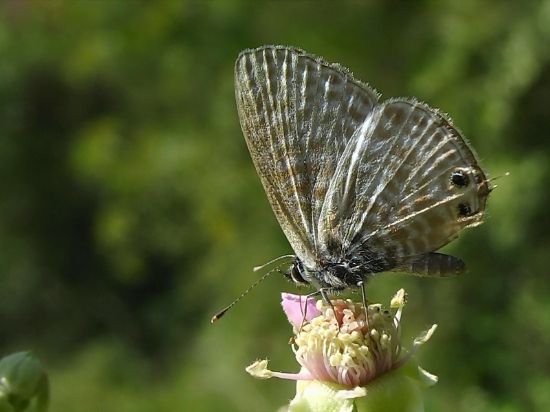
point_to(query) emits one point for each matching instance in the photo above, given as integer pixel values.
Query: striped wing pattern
(298, 114)
(392, 191)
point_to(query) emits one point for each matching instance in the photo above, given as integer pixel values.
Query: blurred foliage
(131, 211)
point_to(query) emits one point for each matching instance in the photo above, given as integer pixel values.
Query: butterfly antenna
(285, 257)
(222, 312)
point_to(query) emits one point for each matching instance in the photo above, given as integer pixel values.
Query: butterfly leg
(324, 295)
(304, 308)
(361, 285)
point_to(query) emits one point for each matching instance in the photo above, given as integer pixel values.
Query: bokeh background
(130, 210)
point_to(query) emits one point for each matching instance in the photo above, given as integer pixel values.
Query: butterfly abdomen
(432, 264)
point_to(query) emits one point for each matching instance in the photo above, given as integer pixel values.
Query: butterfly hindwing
(392, 191)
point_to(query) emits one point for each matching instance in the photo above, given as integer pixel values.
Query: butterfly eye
(459, 178)
(464, 209)
(294, 273)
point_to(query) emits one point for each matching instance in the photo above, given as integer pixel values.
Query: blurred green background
(130, 210)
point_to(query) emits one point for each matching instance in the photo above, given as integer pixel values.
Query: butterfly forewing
(297, 114)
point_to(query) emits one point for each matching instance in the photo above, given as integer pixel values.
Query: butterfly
(358, 185)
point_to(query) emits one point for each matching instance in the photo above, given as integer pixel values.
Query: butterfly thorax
(338, 274)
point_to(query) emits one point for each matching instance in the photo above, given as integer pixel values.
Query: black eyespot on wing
(459, 178)
(464, 209)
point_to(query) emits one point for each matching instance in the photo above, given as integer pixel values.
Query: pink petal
(303, 375)
(297, 309)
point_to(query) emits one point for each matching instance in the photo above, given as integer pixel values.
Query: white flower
(341, 351)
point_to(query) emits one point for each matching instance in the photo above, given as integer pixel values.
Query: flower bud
(22, 381)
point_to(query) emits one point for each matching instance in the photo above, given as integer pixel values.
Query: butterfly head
(297, 273)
